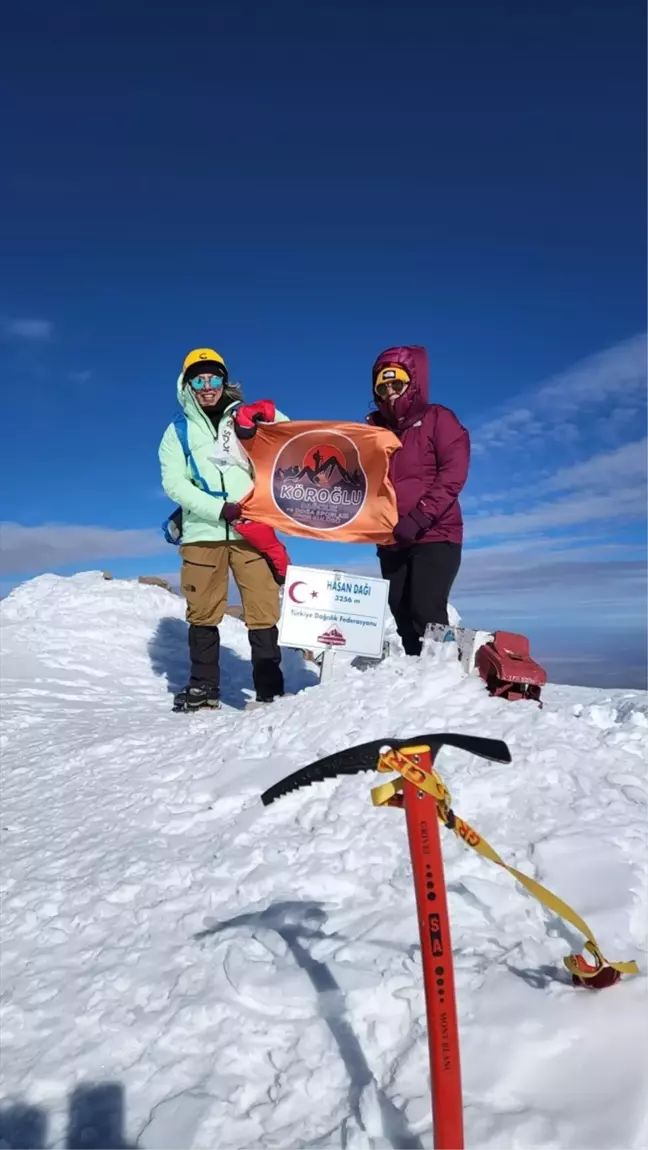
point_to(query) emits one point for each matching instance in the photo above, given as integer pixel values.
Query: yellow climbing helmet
(203, 356)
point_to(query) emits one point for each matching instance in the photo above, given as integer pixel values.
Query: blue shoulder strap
(180, 424)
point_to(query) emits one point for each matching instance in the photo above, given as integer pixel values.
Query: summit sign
(333, 610)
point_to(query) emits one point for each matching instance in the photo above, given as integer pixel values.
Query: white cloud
(624, 503)
(30, 550)
(540, 583)
(550, 567)
(554, 409)
(617, 373)
(624, 465)
(598, 404)
(570, 593)
(38, 330)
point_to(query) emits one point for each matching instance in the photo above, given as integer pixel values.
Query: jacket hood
(410, 406)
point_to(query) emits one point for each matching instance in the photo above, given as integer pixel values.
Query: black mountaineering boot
(203, 688)
(194, 698)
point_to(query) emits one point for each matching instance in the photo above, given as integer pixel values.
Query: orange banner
(323, 480)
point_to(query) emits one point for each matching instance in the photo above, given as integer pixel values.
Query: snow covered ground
(184, 968)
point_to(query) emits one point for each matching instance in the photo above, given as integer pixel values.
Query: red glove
(249, 415)
(265, 541)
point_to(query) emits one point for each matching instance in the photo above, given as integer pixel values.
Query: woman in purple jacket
(428, 473)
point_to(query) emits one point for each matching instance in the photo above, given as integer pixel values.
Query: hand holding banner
(323, 480)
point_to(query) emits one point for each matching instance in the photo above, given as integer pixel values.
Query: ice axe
(420, 791)
(416, 757)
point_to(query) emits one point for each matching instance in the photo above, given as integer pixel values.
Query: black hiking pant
(420, 578)
(204, 653)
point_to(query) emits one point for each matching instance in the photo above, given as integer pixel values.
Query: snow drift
(182, 968)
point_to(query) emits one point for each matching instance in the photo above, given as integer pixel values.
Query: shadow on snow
(298, 923)
(95, 1121)
(169, 654)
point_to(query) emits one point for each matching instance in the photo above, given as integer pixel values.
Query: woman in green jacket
(216, 418)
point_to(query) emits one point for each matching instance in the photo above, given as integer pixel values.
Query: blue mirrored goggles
(199, 382)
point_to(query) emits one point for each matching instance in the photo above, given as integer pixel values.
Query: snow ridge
(182, 968)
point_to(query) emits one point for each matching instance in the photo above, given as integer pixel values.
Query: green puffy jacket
(221, 461)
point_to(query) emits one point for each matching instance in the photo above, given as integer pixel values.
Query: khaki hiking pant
(205, 584)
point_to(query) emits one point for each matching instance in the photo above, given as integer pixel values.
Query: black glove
(231, 512)
(410, 527)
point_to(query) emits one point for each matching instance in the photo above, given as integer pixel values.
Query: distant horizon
(605, 666)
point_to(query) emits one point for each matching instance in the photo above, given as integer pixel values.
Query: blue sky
(300, 185)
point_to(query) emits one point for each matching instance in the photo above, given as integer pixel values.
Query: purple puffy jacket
(431, 467)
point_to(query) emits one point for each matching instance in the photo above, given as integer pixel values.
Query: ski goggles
(209, 379)
(391, 377)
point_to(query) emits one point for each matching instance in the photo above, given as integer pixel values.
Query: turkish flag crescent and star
(323, 480)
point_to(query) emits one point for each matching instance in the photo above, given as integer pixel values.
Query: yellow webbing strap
(432, 784)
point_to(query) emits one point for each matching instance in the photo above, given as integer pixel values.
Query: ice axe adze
(364, 757)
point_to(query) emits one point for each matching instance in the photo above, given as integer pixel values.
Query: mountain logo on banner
(318, 480)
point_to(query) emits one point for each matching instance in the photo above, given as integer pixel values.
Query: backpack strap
(182, 431)
(180, 424)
